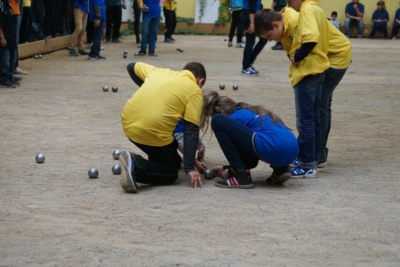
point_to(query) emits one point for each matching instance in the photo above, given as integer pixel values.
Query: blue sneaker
(250, 72)
(128, 181)
(299, 172)
(73, 52)
(96, 58)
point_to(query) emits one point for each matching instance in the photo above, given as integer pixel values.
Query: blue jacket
(154, 9)
(351, 11)
(236, 4)
(380, 15)
(82, 5)
(251, 6)
(92, 14)
(397, 15)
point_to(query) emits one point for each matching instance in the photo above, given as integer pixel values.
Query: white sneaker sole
(127, 182)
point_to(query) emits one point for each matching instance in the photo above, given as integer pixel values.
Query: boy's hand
(96, 23)
(218, 171)
(202, 153)
(293, 62)
(200, 166)
(250, 29)
(3, 42)
(195, 179)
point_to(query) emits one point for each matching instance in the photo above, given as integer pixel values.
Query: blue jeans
(149, 33)
(250, 52)
(332, 79)
(377, 26)
(7, 63)
(98, 35)
(16, 19)
(307, 95)
(354, 23)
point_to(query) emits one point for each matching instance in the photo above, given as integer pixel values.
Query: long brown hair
(214, 104)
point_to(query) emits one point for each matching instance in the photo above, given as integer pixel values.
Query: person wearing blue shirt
(396, 24)
(246, 135)
(380, 19)
(354, 17)
(81, 10)
(150, 21)
(97, 16)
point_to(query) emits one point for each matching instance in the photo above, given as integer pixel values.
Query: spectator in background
(151, 19)
(114, 19)
(137, 12)
(354, 17)
(380, 17)
(51, 11)
(37, 15)
(278, 5)
(396, 24)
(97, 14)
(334, 20)
(78, 37)
(26, 21)
(65, 17)
(16, 21)
(236, 24)
(170, 20)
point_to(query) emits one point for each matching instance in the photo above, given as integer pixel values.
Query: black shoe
(153, 54)
(17, 84)
(277, 47)
(17, 78)
(172, 39)
(236, 179)
(140, 53)
(7, 84)
(83, 52)
(116, 40)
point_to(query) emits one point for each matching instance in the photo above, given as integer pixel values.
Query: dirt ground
(52, 214)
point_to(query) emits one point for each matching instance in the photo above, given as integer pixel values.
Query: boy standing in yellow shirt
(309, 61)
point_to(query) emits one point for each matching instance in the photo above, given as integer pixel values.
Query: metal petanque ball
(93, 173)
(114, 89)
(105, 88)
(40, 158)
(36, 56)
(181, 50)
(125, 51)
(235, 87)
(125, 55)
(116, 169)
(116, 154)
(178, 49)
(222, 86)
(208, 174)
(40, 56)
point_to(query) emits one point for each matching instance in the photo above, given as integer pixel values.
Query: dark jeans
(7, 63)
(149, 33)
(136, 12)
(236, 23)
(16, 19)
(332, 79)
(65, 18)
(114, 18)
(51, 8)
(307, 95)
(377, 26)
(89, 31)
(170, 22)
(25, 25)
(98, 35)
(36, 31)
(395, 29)
(251, 52)
(162, 165)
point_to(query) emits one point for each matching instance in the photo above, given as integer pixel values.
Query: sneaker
(172, 39)
(7, 84)
(153, 54)
(394, 38)
(277, 47)
(96, 58)
(108, 40)
(359, 36)
(139, 44)
(250, 72)
(17, 84)
(116, 41)
(83, 53)
(20, 71)
(101, 48)
(236, 179)
(322, 164)
(140, 53)
(240, 45)
(72, 52)
(17, 79)
(169, 41)
(299, 172)
(88, 45)
(229, 44)
(128, 179)
(275, 179)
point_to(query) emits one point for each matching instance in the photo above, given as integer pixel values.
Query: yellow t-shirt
(151, 115)
(339, 52)
(290, 20)
(312, 27)
(169, 5)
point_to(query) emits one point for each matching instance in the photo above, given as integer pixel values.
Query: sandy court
(52, 214)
